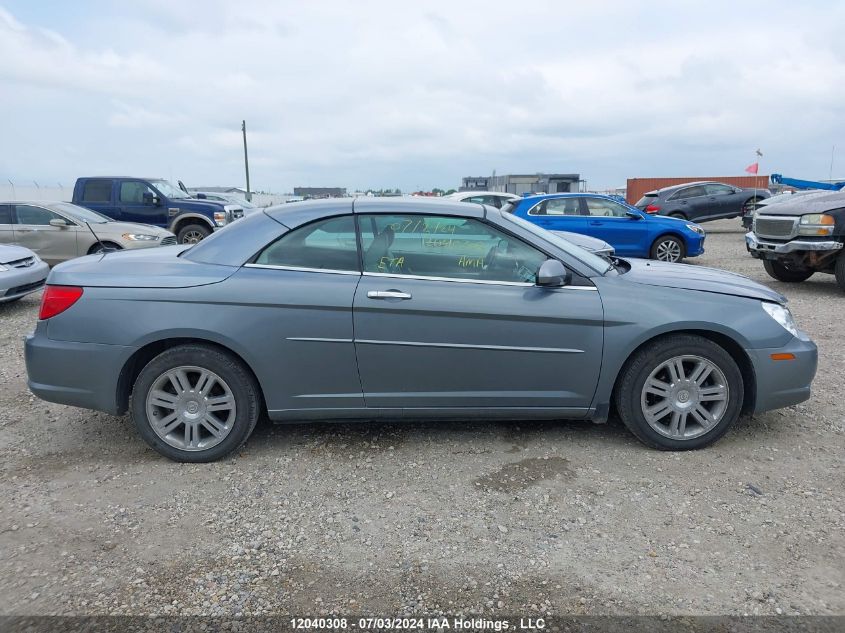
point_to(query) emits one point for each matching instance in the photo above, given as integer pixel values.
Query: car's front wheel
(193, 233)
(195, 403)
(782, 273)
(682, 392)
(668, 248)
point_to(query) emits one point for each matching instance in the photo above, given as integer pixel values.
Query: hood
(816, 202)
(592, 244)
(9, 253)
(119, 228)
(145, 268)
(193, 204)
(692, 277)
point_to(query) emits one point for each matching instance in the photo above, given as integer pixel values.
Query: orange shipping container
(638, 186)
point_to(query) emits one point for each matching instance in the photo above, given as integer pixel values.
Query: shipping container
(638, 186)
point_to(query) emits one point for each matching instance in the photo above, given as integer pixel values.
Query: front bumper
(53, 371)
(781, 383)
(763, 249)
(18, 282)
(695, 245)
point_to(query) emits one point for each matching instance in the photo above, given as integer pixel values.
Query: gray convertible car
(407, 309)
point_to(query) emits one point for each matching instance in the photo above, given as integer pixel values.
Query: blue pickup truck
(154, 201)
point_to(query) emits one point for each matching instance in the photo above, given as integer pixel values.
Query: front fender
(637, 313)
(183, 217)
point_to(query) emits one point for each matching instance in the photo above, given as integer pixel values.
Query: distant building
(520, 184)
(236, 190)
(320, 192)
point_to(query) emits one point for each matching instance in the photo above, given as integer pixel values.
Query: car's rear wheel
(193, 233)
(680, 393)
(678, 215)
(195, 403)
(782, 273)
(668, 248)
(749, 205)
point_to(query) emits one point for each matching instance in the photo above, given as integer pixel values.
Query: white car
(496, 199)
(21, 272)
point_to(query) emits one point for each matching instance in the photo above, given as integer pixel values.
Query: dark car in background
(629, 231)
(701, 201)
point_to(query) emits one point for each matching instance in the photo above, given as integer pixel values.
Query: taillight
(652, 208)
(57, 299)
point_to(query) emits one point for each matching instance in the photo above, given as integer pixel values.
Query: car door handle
(388, 294)
(24, 230)
(596, 222)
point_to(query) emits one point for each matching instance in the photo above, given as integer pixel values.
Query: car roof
(461, 194)
(121, 178)
(293, 215)
(571, 194)
(38, 203)
(690, 184)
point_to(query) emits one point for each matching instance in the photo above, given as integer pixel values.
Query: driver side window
(132, 191)
(442, 246)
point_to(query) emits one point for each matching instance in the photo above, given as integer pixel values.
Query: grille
(26, 262)
(774, 227)
(26, 288)
(168, 241)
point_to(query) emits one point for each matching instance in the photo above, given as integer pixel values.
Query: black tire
(100, 247)
(782, 273)
(678, 214)
(192, 233)
(839, 271)
(245, 392)
(632, 378)
(668, 248)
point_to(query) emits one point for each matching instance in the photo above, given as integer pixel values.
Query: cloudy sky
(418, 94)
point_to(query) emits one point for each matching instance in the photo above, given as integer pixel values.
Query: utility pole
(246, 161)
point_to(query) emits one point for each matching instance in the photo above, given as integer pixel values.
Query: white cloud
(376, 93)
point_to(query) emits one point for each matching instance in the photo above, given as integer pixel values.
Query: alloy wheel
(191, 408)
(668, 251)
(685, 397)
(192, 237)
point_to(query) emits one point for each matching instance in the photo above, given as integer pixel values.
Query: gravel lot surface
(388, 519)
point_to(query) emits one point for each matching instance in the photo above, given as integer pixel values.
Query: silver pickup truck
(798, 239)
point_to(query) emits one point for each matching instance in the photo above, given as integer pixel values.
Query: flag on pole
(752, 168)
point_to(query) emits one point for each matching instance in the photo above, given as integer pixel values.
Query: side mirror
(553, 274)
(151, 199)
(59, 222)
(633, 215)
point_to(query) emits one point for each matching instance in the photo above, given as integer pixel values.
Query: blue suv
(630, 231)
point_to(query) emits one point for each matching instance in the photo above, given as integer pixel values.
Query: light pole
(246, 161)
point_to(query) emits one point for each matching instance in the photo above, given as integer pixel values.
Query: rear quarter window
(97, 191)
(646, 200)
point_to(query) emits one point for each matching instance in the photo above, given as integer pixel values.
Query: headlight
(782, 315)
(139, 237)
(816, 224)
(3, 268)
(695, 229)
(220, 218)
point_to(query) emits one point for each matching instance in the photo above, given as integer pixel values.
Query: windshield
(246, 204)
(80, 213)
(168, 190)
(594, 261)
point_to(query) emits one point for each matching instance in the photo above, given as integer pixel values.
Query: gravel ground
(484, 518)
